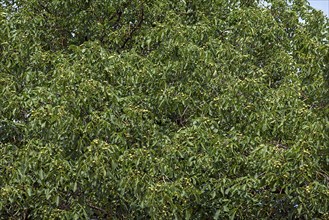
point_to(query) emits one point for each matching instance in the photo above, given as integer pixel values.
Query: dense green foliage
(163, 109)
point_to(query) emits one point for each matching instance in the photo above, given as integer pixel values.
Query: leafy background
(143, 109)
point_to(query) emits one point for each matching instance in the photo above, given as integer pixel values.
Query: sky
(322, 5)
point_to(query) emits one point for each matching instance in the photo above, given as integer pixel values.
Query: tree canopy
(163, 109)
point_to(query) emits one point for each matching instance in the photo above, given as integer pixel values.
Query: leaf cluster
(143, 109)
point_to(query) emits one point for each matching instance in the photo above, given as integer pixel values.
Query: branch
(139, 24)
(97, 208)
